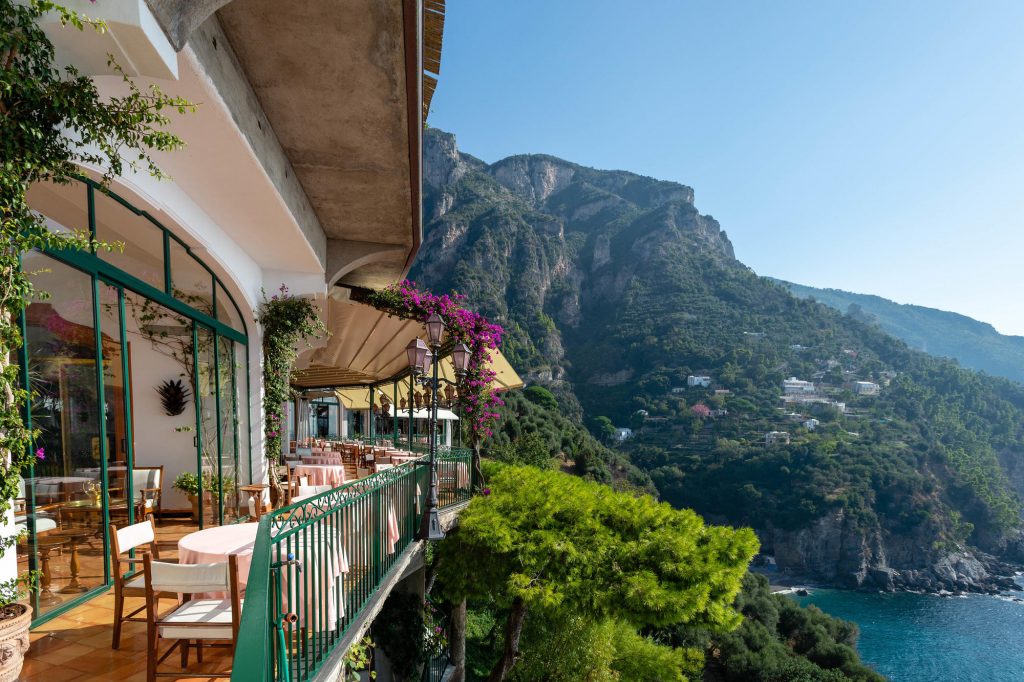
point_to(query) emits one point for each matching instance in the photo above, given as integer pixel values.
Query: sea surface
(927, 638)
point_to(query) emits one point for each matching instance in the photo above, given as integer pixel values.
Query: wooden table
(44, 545)
(74, 537)
(255, 489)
(93, 508)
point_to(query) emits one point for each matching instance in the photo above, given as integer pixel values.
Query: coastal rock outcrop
(835, 552)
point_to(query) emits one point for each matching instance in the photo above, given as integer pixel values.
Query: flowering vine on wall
(286, 320)
(478, 399)
(53, 121)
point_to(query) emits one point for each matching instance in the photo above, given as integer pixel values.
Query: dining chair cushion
(190, 578)
(43, 523)
(310, 490)
(136, 583)
(145, 479)
(198, 611)
(134, 535)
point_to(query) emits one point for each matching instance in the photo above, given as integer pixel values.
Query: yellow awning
(358, 398)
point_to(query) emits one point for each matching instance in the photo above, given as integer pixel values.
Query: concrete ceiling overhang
(345, 85)
(341, 83)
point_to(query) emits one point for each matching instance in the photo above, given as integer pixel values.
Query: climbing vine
(52, 123)
(286, 320)
(478, 399)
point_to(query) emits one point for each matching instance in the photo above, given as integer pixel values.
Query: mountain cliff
(614, 289)
(972, 343)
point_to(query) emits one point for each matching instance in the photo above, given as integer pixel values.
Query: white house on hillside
(866, 388)
(794, 385)
(701, 381)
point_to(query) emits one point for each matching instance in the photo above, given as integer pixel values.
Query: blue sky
(873, 147)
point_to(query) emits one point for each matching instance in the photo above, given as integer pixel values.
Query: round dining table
(213, 545)
(322, 474)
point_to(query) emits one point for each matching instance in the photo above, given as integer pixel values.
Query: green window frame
(102, 272)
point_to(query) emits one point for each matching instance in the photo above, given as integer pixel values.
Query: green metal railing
(437, 661)
(318, 562)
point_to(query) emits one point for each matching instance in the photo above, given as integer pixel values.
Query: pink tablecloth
(322, 474)
(392, 535)
(213, 545)
(322, 459)
(457, 470)
(399, 459)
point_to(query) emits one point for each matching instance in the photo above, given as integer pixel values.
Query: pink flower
(40, 453)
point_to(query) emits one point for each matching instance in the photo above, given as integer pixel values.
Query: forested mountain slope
(614, 289)
(974, 344)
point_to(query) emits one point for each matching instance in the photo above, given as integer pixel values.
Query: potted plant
(15, 618)
(54, 121)
(188, 483)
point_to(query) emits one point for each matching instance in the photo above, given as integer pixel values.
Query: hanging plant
(52, 122)
(286, 320)
(174, 397)
(477, 398)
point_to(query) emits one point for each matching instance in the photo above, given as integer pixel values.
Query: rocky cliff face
(534, 240)
(613, 286)
(837, 552)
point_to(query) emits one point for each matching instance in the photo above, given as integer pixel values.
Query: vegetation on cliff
(614, 289)
(974, 344)
(558, 556)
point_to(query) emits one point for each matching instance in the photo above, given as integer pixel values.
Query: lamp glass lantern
(435, 329)
(460, 358)
(428, 360)
(416, 353)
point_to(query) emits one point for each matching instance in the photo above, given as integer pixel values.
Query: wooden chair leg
(183, 643)
(118, 616)
(199, 650)
(151, 655)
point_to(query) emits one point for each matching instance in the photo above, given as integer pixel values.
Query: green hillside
(614, 289)
(973, 344)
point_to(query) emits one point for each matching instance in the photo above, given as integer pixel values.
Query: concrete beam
(345, 256)
(213, 52)
(179, 18)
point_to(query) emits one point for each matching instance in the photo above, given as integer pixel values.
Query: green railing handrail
(300, 599)
(442, 450)
(257, 663)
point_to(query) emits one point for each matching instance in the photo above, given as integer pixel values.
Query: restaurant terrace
(171, 535)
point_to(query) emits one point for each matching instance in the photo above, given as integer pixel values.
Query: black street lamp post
(425, 361)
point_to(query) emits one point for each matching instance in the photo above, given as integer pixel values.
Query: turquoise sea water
(925, 638)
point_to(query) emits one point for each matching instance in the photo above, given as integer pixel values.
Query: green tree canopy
(551, 543)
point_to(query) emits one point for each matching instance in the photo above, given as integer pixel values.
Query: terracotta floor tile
(55, 674)
(64, 654)
(35, 667)
(76, 645)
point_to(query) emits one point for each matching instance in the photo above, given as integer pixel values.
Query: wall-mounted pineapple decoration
(174, 397)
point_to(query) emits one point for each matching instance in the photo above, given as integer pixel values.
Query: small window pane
(65, 207)
(226, 311)
(143, 252)
(191, 282)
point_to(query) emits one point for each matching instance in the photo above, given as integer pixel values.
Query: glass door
(61, 499)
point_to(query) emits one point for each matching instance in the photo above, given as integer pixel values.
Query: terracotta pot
(208, 504)
(14, 641)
